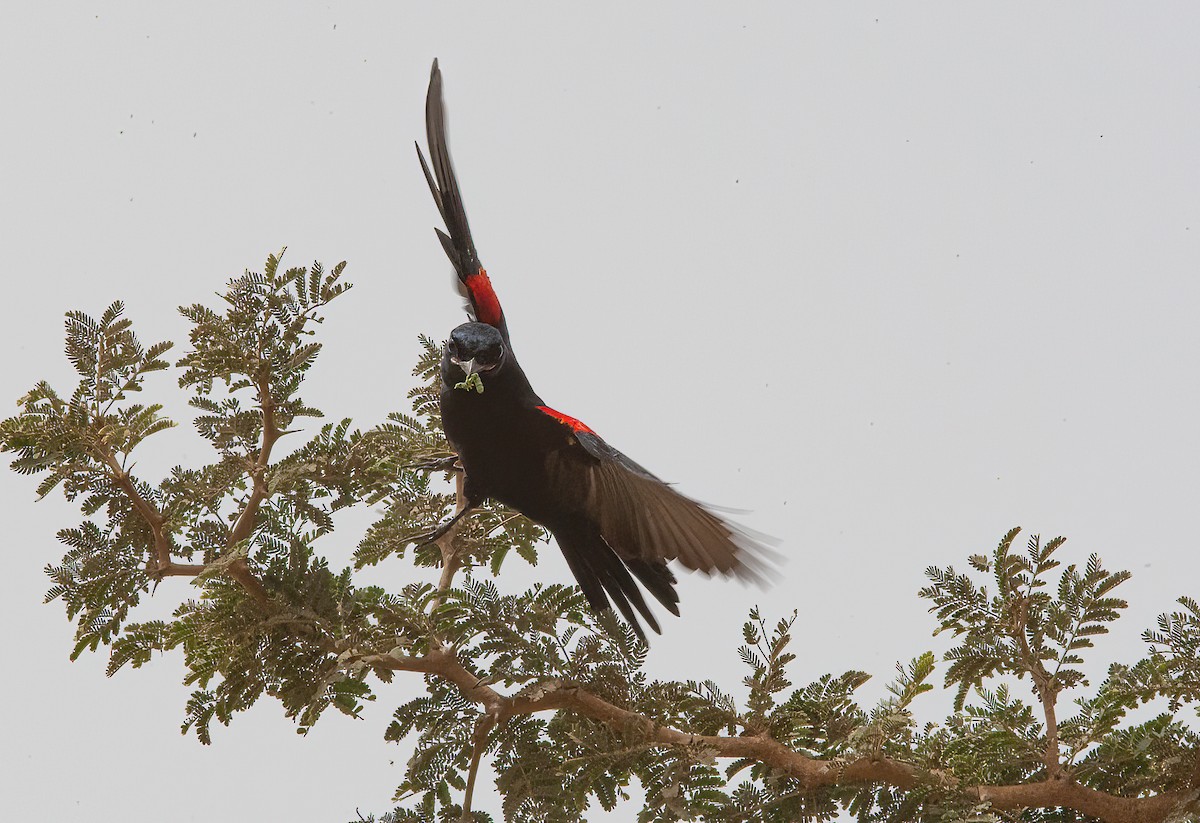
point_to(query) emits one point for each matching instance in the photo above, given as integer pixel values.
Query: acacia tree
(554, 694)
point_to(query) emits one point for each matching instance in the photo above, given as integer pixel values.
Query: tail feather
(606, 581)
(443, 185)
(658, 580)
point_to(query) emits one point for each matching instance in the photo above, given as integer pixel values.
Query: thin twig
(1046, 688)
(162, 565)
(479, 740)
(239, 569)
(148, 511)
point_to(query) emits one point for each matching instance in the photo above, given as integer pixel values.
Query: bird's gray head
(473, 348)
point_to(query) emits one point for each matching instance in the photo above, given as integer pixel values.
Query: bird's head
(473, 349)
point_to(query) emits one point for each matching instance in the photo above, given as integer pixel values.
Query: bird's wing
(456, 240)
(642, 518)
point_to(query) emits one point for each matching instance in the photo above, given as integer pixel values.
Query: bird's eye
(452, 348)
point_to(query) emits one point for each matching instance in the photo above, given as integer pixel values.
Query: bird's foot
(440, 532)
(441, 464)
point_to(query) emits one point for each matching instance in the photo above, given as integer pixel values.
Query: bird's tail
(456, 240)
(606, 580)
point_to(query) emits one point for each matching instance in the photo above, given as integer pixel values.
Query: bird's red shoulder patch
(566, 420)
(483, 297)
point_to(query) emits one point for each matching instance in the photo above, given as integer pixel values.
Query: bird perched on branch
(616, 523)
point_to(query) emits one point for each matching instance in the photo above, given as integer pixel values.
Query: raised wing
(456, 240)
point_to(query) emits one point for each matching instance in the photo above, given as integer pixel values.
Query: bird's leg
(467, 498)
(442, 530)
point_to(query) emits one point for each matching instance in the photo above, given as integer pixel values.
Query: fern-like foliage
(82, 443)
(270, 618)
(1023, 628)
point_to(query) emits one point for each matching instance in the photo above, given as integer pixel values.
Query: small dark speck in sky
(193, 134)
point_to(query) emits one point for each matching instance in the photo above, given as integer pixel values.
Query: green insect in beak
(472, 382)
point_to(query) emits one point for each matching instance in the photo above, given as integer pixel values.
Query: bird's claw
(440, 464)
(435, 535)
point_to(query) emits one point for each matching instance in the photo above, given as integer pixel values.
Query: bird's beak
(471, 380)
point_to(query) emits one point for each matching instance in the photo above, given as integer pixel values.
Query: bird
(616, 524)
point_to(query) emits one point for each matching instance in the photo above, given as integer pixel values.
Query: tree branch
(162, 565)
(812, 773)
(478, 743)
(148, 511)
(181, 570)
(244, 527)
(1046, 687)
(239, 569)
(451, 562)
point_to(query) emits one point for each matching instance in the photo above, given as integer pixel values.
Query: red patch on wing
(566, 420)
(487, 306)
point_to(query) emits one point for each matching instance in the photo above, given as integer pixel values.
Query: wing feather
(646, 521)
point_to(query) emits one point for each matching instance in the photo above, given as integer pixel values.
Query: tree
(553, 693)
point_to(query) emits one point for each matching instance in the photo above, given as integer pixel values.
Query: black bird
(614, 521)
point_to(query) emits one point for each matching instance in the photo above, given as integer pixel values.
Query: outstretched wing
(456, 240)
(643, 519)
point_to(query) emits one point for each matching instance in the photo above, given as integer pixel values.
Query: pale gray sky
(894, 278)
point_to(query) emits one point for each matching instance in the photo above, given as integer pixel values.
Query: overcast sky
(892, 278)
